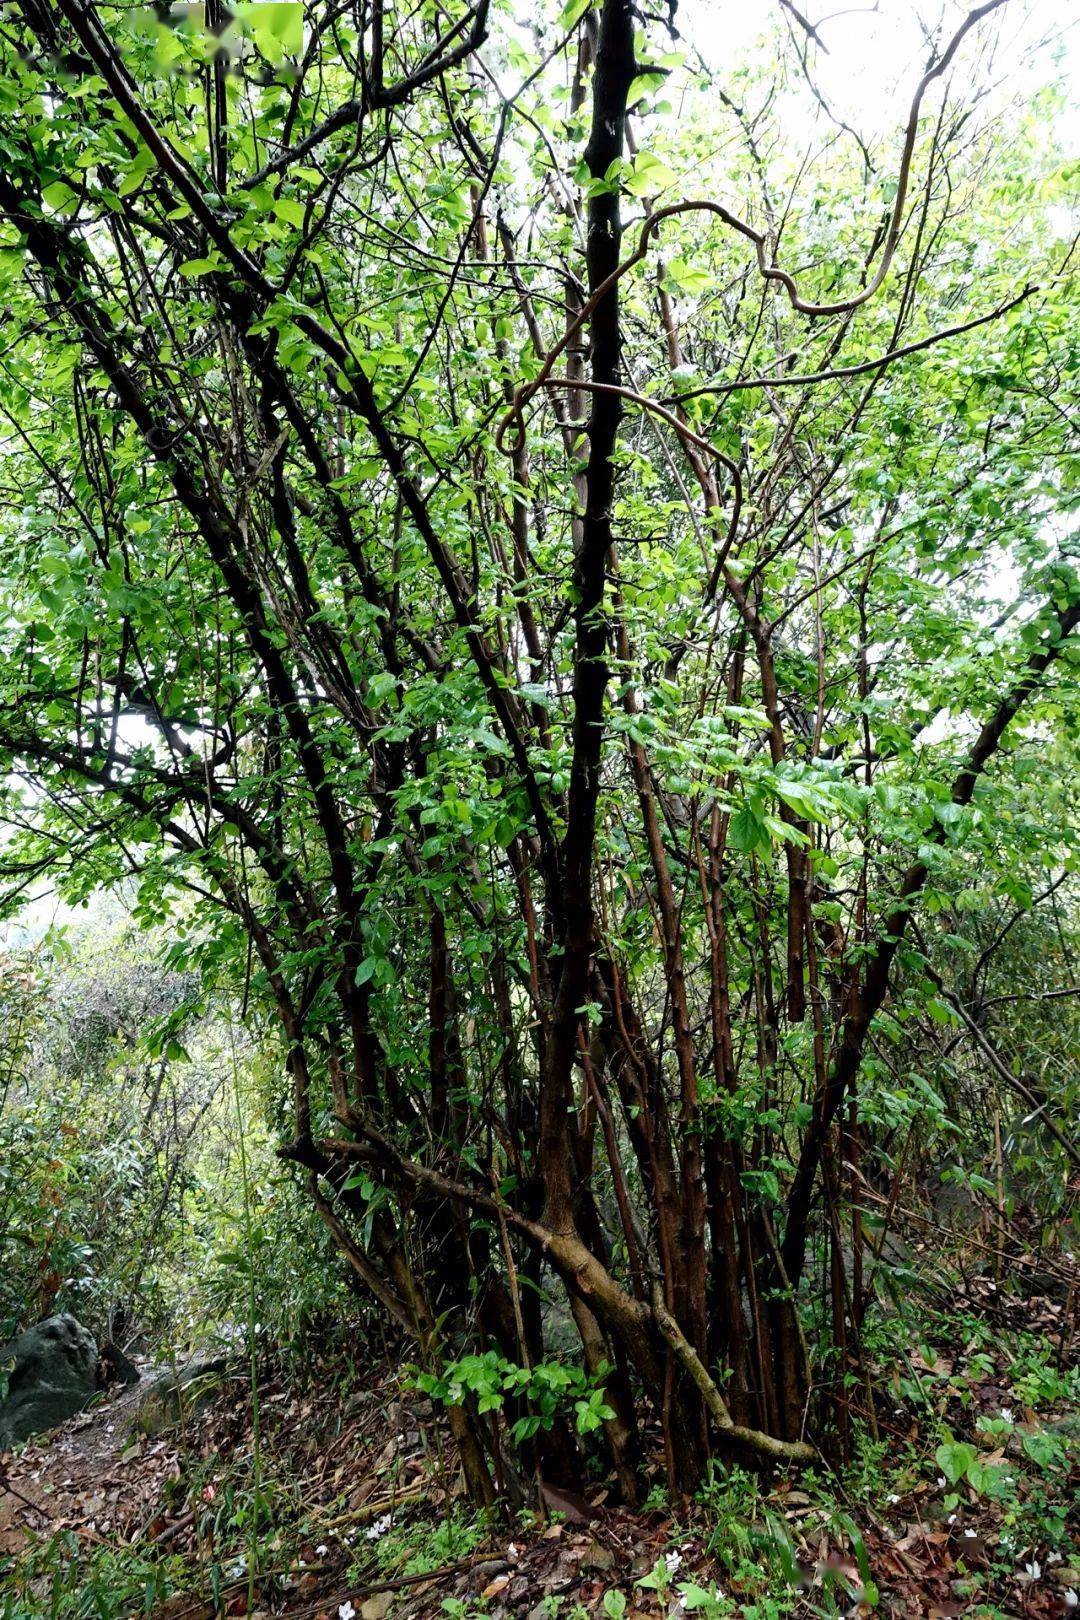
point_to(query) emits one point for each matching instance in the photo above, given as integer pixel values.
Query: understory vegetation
(538, 806)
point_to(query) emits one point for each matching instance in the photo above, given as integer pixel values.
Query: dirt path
(95, 1475)
(365, 1501)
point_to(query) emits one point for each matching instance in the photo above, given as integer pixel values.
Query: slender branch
(866, 999)
(839, 373)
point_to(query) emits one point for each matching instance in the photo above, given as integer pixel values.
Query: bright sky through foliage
(875, 53)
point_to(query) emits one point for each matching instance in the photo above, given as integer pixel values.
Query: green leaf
(277, 26)
(60, 197)
(291, 210)
(647, 175)
(573, 13)
(747, 832)
(197, 267)
(954, 1458)
(682, 277)
(644, 85)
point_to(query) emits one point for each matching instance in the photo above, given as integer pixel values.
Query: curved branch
(751, 1442)
(379, 98)
(355, 390)
(680, 428)
(1004, 1074)
(759, 240)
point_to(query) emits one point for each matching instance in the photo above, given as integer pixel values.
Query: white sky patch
(875, 54)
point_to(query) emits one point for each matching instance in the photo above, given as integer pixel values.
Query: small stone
(377, 1606)
(597, 1556)
(480, 1574)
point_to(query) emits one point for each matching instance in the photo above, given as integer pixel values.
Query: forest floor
(364, 1520)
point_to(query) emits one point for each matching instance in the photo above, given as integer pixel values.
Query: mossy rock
(173, 1398)
(51, 1372)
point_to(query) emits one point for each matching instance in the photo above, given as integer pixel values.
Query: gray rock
(357, 1403)
(173, 1398)
(51, 1374)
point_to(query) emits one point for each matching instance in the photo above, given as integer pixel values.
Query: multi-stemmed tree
(530, 565)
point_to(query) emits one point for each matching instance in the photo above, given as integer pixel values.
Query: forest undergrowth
(967, 1501)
